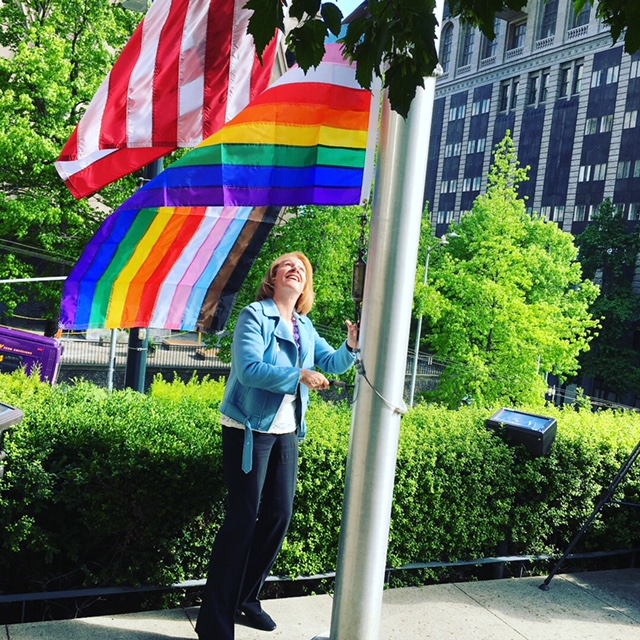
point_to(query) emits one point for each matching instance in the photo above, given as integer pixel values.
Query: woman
(275, 351)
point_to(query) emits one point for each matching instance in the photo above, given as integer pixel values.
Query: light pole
(414, 371)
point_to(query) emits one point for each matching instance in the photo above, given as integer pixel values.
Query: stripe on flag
(189, 67)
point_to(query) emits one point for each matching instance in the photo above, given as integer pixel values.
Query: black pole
(620, 476)
(136, 371)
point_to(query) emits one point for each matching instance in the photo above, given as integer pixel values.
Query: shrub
(105, 489)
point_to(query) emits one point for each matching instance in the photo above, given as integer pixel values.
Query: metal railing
(168, 353)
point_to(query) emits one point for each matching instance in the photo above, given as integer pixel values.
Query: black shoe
(262, 621)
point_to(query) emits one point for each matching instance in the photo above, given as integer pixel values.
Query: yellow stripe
(301, 136)
(145, 247)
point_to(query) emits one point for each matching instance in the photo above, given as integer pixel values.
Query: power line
(34, 252)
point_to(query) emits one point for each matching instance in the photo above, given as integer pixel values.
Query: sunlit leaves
(395, 39)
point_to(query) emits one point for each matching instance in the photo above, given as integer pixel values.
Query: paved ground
(602, 605)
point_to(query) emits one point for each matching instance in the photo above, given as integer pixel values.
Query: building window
(544, 85)
(624, 169)
(534, 87)
(612, 74)
(545, 212)
(600, 171)
(565, 81)
(476, 146)
(453, 149)
(578, 70)
(513, 102)
(445, 48)
(466, 48)
(548, 22)
(606, 124)
(630, 119)
(445, 217)
(609, 76)
(570, 78)
(488, 47)
(480, 106)
(591, 126)
(449, 186)
(475, 186)
(558, 213)
(581, 19)
(516, 37)
(537, 88)
(457, 113)
(580, 213)
(466, 184)
(504, 95)
(595, 172)
(634, 211)
(635, 68)
(636, 169)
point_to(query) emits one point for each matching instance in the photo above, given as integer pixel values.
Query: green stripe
(102, 295)
(262, 155)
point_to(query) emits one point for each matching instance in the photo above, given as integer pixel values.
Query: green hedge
(105, 489)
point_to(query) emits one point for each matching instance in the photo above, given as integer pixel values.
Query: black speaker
(536, 433)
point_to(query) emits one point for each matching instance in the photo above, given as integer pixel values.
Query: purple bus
(23, 349)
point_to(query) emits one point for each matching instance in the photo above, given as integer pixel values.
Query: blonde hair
(304, 303)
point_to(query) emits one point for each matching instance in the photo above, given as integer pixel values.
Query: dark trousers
(258, 514)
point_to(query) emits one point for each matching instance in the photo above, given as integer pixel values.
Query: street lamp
(414, 372)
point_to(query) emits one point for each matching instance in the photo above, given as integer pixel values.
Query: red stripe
(217, 63)
(114, 117)
(152, 281)
(166, 76)
(70, 150)
(330, 95)
(261, 73)
(113, 167)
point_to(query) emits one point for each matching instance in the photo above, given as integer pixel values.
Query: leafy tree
(505, 301)
(398, 35)
(608, 253)
(59, 52)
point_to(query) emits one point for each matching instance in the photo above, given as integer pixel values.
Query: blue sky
(347, 6)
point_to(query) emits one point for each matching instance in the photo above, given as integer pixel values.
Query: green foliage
(60, 52)
(608, 252)
(506, 301)
(394, 39)
(105, 489)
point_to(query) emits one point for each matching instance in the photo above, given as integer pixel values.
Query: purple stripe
(241, 197)
(71, 291)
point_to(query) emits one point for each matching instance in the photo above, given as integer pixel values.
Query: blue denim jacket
(264, 368)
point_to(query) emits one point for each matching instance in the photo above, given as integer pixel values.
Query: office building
(570, 98)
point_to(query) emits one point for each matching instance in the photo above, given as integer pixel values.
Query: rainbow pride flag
(304, 140)
(174, 255)
(168, 267)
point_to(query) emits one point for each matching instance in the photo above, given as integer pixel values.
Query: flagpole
(386, 321)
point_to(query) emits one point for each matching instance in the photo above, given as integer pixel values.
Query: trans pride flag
(174, 255)
(304, 140)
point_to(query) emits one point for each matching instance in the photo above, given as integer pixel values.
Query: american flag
(189, 67)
